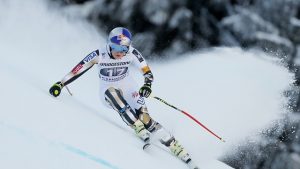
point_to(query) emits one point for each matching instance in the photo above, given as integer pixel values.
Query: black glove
(145, 90)
(56, 89)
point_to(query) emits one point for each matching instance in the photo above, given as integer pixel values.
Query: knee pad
(143, 115)
(116, 100)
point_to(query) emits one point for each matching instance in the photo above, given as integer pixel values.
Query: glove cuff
(59, 84)
(148, 84)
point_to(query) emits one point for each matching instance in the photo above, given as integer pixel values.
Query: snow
(233, 92)
(294, 21)
(297, 58)
(247, 22)
(274, 38)
(179, 16)
(156, 10)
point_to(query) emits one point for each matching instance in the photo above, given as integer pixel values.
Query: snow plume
(36, 27)
(236, 91)
(233, 92)
(275, 147)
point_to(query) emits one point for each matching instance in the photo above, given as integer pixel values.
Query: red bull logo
(124, 40)
(121, 37)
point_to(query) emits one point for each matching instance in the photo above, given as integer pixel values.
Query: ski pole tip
(223, 140)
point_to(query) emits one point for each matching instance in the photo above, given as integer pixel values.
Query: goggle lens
(119, 48)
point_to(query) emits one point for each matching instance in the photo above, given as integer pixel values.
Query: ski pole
(190, 116)
(69, 90)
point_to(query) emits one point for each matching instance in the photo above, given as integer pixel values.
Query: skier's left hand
(145, 90)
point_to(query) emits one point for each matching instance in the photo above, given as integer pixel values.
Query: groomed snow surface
(233, 92)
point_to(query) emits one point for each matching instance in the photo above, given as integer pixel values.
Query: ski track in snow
(38, 138)
(233, 92)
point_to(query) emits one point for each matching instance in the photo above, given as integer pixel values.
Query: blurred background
(169, 29)
(176, 26)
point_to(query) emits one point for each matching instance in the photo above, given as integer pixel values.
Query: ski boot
(178, 150)
(141, 131)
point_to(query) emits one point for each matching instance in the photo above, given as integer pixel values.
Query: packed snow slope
(233, 92)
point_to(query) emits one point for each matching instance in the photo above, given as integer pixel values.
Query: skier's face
(118, 55)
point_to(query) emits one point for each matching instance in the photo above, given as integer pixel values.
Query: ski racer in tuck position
(119, 91)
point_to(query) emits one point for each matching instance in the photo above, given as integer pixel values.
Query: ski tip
(146, 146)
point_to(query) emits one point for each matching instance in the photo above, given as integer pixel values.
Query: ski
(146, 145)
(163, 140)
(190, 164)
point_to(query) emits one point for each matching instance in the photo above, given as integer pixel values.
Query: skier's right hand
(56, 89)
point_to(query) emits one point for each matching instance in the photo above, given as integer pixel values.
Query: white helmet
(119, 39)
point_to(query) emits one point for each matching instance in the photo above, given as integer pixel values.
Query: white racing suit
(119, 91)
(117, 87)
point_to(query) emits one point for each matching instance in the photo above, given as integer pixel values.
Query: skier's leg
(150, 124)
(158, 131)
(141, 111)
(116, 100)
(176, 148)
(162, 134)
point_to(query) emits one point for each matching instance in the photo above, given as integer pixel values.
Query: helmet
(119, 39)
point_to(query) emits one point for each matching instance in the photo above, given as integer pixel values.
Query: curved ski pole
(190, 116)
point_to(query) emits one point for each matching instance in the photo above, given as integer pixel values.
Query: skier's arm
(145, 90)
(82, 67)
(147, 75)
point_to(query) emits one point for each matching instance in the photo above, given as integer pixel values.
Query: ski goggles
(119, 48)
